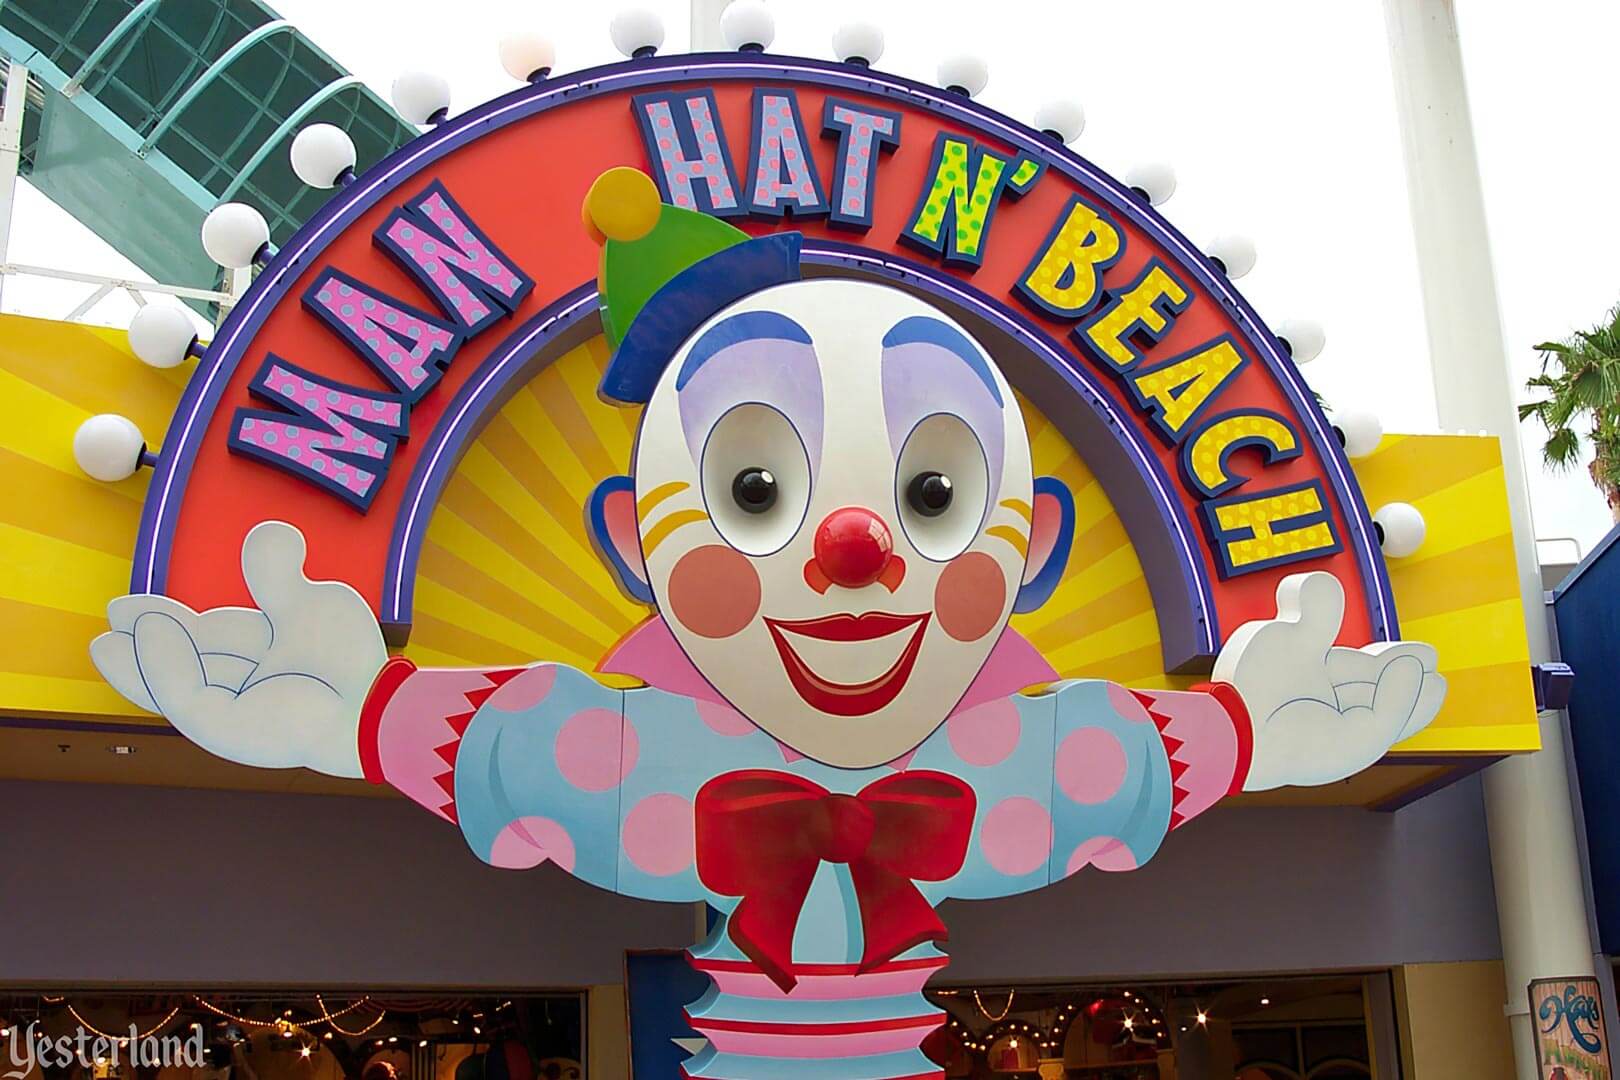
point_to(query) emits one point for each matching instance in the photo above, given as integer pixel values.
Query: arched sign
(422, 296)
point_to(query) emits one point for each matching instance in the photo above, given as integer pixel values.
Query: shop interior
(307, 1035)
(1322, 1028)
(1275, 1029)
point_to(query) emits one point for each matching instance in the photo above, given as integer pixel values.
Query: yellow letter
(1279, 526)
(1084, 244)
(1177, 390)
(1146, 307)
(1206, 454)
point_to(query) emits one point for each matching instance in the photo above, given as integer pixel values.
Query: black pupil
(929, 493)
(755, 490)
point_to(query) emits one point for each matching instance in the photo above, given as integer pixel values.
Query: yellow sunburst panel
(1099, 622)
(66, 540)
(1460, 591)
(507, 572)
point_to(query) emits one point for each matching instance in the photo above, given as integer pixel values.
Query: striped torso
(834, 1022)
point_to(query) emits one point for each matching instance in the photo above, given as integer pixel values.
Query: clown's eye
(756, 478)
(941, 485)
(755, 490)
(929, 493)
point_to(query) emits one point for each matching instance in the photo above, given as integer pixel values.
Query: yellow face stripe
(660, 532)
(1019, 507)
(1012, 536)
(658, 495)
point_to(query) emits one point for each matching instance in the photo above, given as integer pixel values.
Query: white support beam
(1540, 895)
(706, 35)
(11, 128)
(149, 288)
(89, 302)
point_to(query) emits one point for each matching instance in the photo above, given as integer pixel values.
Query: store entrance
(297, 1035)
(1270, 1029)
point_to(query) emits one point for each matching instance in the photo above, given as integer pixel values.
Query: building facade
(1332, 916)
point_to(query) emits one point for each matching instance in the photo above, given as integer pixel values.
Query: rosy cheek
(713, 591)
(970, 595)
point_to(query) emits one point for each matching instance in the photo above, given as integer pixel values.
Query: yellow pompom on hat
(622, 205)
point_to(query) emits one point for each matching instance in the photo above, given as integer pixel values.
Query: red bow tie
(761, 835)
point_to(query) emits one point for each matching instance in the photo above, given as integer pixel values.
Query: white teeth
(850, 662)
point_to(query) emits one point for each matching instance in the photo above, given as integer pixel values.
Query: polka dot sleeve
(1073, 778)
(1113, 788)
(540, 773)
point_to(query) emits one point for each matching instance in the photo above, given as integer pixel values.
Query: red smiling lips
(848, 699)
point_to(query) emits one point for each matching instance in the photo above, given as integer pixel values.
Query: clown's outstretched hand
(276, 686)
(1322, 712)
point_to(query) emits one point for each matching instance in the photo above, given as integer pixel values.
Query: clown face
(834, 505)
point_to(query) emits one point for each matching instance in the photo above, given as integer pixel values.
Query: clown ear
(610, 519)
(1051, 534)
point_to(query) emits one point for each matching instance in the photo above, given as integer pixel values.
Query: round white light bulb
(1155, 180)
(1236, 254)
(527, 56)
(1400, 529)
(422, 97)
(637, 32)
(858, 43)
(233, 235)
(161, 335)
(748, 25)
(108, 447)
(1359, 432)
(1304, 339)
(1064, 119)
(964, 73)
(322, 154)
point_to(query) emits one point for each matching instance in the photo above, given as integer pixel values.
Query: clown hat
(664, 271)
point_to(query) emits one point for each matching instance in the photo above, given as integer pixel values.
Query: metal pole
(237, 282)
(706, 25)
(1540, 898)
(89, 302)
(11, 127)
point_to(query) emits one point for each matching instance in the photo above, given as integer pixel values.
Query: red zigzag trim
(1172, 746)
(449, 751)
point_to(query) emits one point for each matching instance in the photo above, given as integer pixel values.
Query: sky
(1278, 116)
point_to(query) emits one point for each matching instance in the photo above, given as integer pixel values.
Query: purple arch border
(160, 512)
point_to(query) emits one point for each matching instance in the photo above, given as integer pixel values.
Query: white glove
(278, 686)
(1322, 712)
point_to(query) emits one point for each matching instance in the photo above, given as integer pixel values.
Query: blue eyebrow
(922, 330)
(747, 326)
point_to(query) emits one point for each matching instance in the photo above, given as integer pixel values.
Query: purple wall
(154, 885)
(1256, 890)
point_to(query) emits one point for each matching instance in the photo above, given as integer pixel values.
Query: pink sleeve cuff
(1226, 695)
(1209, 740)
(389, 680)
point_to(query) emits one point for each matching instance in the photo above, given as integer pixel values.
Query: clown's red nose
(853, 547)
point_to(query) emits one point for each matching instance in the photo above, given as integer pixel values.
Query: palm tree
(1580, 381)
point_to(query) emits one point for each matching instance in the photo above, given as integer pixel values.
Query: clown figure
(832, 509)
